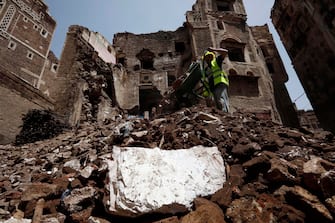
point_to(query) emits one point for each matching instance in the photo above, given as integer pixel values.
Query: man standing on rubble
(215, 78)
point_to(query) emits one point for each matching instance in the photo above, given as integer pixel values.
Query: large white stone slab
(143, 180)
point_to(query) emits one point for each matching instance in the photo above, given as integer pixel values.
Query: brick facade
(26, 30)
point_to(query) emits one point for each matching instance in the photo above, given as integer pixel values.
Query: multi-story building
(307, 30)
(26, 30)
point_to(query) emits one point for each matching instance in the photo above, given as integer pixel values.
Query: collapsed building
(93, 78)
(274, 173)
(307, 30)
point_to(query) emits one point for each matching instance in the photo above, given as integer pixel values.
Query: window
(30, 55)
(223, 5)
(54, 67)
(243, 86)
(11, 45)
(270, 68)
(179, 47)
(2, 4)
(44, 33)
(36, 27)
(235, 49)
(147, 59)
(7, 18)
(121, 60)
(25, 19)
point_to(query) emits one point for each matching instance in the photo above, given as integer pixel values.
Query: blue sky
(146, 16)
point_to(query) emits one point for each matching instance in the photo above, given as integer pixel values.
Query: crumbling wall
(126, 88)
(17, 98)
(153, 61)
(84, 81)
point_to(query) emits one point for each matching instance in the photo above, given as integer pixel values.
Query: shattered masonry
(136, 71)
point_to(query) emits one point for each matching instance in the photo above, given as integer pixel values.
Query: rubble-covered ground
(275, 174)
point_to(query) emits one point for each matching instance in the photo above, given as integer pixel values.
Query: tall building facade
(223, 23)
(307, 30)
(26, 31)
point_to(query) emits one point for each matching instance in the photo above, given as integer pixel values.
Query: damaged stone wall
(307, 30)
(274, 173)
(154, 61)
(84, 81)
(17, 98)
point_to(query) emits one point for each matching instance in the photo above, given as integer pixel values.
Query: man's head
(209, 56)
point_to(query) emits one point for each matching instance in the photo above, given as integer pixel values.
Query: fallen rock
(146, 180)
(305, 201)
(205, 211)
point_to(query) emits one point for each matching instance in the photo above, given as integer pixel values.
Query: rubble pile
(39, 125)
(274, 173)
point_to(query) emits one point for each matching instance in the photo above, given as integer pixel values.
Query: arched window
(147, 59)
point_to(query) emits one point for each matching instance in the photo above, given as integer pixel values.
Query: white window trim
(30, 55)
(53, 67)
(36, 27)
(25, 19)
(12, 47)
(45, 35)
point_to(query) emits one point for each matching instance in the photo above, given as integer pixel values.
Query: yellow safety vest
(218, 74)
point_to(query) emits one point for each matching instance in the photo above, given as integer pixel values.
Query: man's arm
(221, 51)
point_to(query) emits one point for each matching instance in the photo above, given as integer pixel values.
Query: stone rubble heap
(274, 173)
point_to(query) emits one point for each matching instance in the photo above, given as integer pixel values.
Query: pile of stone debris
(274, 173)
